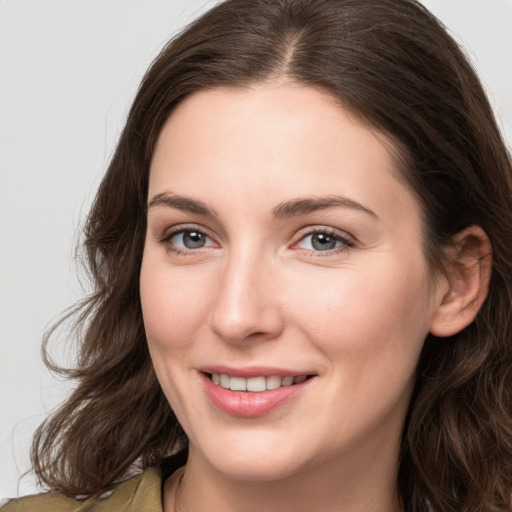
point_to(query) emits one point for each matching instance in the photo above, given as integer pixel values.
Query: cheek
(367, 315)
(172, 306)
(370, 327)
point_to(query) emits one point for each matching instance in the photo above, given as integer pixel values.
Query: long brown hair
(394, 65)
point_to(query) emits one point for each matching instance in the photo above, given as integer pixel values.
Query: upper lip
(254, 371)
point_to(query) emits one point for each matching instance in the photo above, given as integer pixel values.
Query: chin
(257, 460)
(246, 469)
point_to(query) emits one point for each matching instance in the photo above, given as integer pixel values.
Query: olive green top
(141, 493)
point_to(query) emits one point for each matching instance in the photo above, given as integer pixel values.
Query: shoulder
(142, 492)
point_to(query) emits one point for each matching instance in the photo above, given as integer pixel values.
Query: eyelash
(346, 242)
(179, 251)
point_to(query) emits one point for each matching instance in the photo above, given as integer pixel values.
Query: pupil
(323, 242)
(193, 239)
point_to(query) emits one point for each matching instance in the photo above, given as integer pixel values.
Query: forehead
(270, 140)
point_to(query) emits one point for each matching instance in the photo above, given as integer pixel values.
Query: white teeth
(238, 384)
(287, 381)
(274, 382)
(255, 384)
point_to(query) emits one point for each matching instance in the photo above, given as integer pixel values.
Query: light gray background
(68, 72)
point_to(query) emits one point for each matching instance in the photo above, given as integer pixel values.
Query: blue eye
(322, 241)
(188, 239)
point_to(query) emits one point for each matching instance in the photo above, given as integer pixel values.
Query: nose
(246, 306)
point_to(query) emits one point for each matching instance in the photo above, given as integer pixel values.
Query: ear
(466, 282)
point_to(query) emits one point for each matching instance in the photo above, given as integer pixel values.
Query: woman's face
(283, 255)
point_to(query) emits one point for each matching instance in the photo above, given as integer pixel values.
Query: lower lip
(247, 404)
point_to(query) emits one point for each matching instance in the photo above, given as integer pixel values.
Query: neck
(366, 484)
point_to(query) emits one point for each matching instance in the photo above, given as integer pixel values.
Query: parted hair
(392, 64)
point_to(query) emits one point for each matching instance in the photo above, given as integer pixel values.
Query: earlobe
(468, 271)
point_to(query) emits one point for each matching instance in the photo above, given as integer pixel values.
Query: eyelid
(171, 232)
(347, 240)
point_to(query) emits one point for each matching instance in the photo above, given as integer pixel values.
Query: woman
(301, 252)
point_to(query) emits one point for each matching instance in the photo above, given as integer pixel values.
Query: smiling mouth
(255, 384)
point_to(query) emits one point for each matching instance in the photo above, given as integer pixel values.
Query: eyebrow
(303, 206)
(181, 203)
(292, 208)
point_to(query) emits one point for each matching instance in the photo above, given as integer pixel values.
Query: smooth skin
(280, 234)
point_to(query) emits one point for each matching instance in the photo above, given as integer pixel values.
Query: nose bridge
(245, 304)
